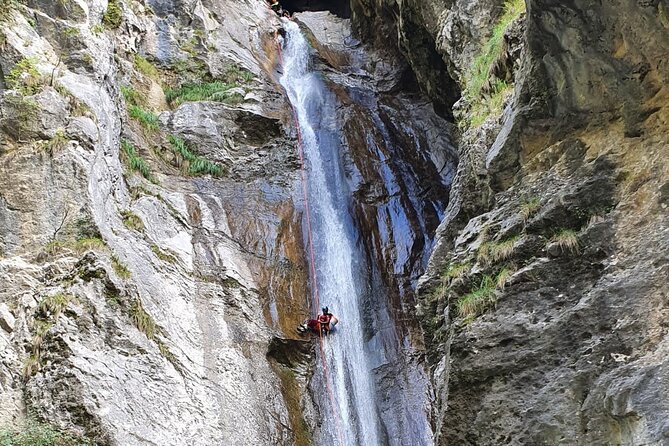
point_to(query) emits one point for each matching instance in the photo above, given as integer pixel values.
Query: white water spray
(337, 259)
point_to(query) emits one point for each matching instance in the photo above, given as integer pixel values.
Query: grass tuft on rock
(58, 142)
(455, 272)
(530, 207)
(24, 77)
(145, 67)
(79, 246)
(54, 305)
(567, 241)
(162, 255)
(478, 300)
(147, 119)
(120, 268)
(132, 221)
(194, 164)
(493, 252)
(142, 320)
(113, 16)
(134, 160)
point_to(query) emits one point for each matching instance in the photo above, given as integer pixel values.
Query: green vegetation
(478, 300)
(454, 272)
(145, 67)
(194, 164)
(235, 74)
(58, 142)
(479, 72)
(567, 240)
(134, 160)
(530, 207)
(132, 221)
(113, 16)
(22, 112)
(212, 91)
(503, 277)
(71, 31)
(492, 252)
(142, 320)
(131, 96)
(147, 119)
(54, 305)
(24, 77)
(79, 246)
(35, 433)
(7, 8)
(97, 29)
(164, 256)
(120, 268)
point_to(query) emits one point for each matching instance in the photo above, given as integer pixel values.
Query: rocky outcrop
(543, 306)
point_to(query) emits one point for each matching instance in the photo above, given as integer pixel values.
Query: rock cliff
(545, 302)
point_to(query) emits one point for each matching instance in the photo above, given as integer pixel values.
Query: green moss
(79, 246)
(134, 161)
(24, 77)
(454, 272)
(194, 164)
(97, 29)
(71, 31)
(132, 221)
(35, 433)
(113, 16)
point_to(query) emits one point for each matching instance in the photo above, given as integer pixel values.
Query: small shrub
(24, 77)
(147, 119)
(134, 160)
(195, 164)
(567, 241)
(97, 29)
(71, 31)
(529, 207)
(132, 221)
(142, 320)
(113, 16)
(478, 300)
(145, 67)
(119, 268)
(131, 96)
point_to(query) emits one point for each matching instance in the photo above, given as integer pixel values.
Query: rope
(300, 153)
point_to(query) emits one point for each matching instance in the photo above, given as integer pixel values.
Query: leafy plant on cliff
(7, 8)
(147, 119)
(58, 142)
(145, 67)
(142, 320)
(485, 103)
(35, 433)
(113, 16)
(454, 272)
(120, 268)
(211, 91)
(134, 160)
(24, 77)
(194, 164)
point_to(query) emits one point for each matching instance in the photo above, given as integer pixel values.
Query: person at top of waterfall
(325, 322)
(276, 6)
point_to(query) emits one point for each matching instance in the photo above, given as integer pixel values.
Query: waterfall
(337, 259)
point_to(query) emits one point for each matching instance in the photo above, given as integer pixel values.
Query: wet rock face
(561, 246)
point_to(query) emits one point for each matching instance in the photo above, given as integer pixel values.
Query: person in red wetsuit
(321, 325)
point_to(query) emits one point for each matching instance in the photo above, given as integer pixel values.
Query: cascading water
(367, 392)
(336, 258)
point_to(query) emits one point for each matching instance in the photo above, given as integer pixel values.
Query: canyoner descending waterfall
(345, 377)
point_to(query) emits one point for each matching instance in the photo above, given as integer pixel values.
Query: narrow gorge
(477, 189)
